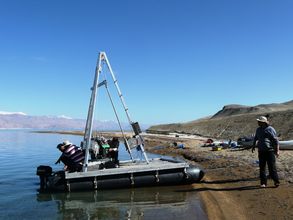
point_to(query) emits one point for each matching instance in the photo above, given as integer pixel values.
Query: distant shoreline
(81, 133)
(59, 132)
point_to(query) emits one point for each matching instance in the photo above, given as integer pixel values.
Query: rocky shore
(230, 188)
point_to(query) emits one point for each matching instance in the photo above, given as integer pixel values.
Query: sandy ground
(230, 188)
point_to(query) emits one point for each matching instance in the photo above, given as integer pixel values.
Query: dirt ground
(230, 188)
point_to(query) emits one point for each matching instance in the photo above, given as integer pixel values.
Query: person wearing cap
(72, 156)
(268, 148)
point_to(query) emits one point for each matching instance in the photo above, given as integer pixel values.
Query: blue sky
(175, 60)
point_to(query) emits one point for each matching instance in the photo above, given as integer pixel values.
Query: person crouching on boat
(72, 156)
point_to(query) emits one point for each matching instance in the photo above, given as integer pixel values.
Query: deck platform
(128, 167)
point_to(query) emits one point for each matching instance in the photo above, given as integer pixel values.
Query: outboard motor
(44, 172)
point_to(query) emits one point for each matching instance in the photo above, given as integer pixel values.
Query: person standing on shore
(268, 148)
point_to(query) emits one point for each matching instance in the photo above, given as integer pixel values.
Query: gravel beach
(230, 188)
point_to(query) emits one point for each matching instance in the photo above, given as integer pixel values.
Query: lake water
(22, 151)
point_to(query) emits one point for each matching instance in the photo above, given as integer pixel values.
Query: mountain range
(19, 120)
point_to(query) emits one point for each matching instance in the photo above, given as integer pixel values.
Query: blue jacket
(266, 139)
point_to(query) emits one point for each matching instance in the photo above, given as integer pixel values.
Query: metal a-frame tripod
(90, 117)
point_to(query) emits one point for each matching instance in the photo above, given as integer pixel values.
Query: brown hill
(234, 121)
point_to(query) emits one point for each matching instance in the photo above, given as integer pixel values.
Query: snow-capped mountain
(11, 113)
(10, 120)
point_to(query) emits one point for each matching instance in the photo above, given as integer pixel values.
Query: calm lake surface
(22, 151)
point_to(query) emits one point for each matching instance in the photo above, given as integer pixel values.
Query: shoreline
(230, 188)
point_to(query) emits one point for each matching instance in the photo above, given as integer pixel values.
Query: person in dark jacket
(72, 156)
(268, 148)
(113, 151)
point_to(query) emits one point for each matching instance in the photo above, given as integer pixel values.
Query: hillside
(234, 121)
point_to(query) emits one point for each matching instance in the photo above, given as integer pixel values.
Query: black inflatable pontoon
(158, 172)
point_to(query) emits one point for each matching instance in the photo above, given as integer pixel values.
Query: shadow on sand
(236, 188)
(241, 188)
(229, 181)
